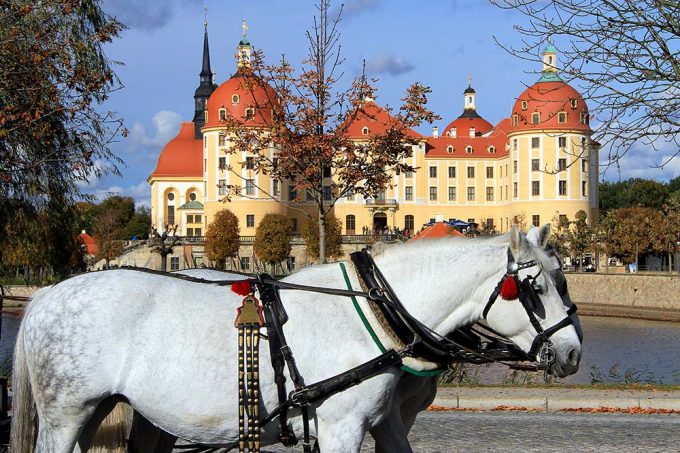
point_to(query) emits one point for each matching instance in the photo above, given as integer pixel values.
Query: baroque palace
(537, 166)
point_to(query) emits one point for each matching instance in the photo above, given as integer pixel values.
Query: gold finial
(244, 27)
(470, 80)
(205, 16)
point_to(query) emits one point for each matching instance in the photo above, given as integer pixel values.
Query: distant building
(539, 164)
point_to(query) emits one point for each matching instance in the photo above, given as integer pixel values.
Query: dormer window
(525, 105)
(364, 131)
(562, 117)
(515, 120)
(472, 132)
(449, 149)
(250, 113)
(468, 149)
(574, 103)
(235, 99)
(535, 118)
(206, 116)
(223, 114)
(492, 149)
(584, 118)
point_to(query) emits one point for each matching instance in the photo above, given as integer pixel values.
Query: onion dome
(550, 103)
(182, 156)
(469, 123)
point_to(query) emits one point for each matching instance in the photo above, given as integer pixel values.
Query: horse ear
(515, 241)
(544, 236)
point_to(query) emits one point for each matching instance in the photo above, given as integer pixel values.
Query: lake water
(649, 349)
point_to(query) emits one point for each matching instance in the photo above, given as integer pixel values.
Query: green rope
(376, 340)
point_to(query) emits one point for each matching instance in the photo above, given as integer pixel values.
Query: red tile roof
(456, 147)
(437, 230)
(463, 125)
(548, 99)
(182, 156)
(252, 93)
(376, 119)
(91, 247)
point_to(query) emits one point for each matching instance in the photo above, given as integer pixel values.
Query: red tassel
(242, 288)
(509, 288)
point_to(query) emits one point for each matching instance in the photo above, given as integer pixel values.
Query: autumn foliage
(310, 233)
(272, 238)
(222, 238)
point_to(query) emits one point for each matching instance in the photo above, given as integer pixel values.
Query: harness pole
(248, 322)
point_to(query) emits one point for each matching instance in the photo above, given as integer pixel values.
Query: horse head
(529, 309)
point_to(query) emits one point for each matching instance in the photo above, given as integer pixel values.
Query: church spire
(206, 85)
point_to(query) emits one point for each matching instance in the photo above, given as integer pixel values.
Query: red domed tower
(553, 157)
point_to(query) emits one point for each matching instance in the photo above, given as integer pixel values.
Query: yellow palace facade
(535, 166)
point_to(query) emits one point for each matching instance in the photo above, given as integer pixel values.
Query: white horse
(168, 347)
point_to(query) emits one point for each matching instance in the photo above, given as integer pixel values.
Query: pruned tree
(310, 126)
(559, 234)
(163, 243)
(333, 242)
(273, 239)
(521, 221)
(579, 236)
(628, 232)
(623, 55)
(222, 238)
(107, 233)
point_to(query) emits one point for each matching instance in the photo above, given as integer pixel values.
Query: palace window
(292, 193)
(223, 114)
(525, 104)
(535, 118)
(234, 99)
(174, 263)
(573, 102)
(364, 131)
(584, 187)
(535, 188)
(433, 172)
(514, 190)
(489, 194)
(535, 142)
(562, 117)
(515, 120)
(492, 150)
(536, 220)
(433, 194)
(245, 263)
(250, 163)
(350, 224)
(171, 196)
(471, 194)
(452, 172)
(562, 142)
(561, 164)
(250, 113)
(276, 189)
(222, 186)
(468, 149)
(408, 222)
(449, 149)
(408, 174)
(452, 193)
(489, 172)
(562, 186)
(221, 140)
(222, 163)
(408, 193)
(471, 172)
(192, 196)
(250, 220)
(250, 187)
(535, 164)
(514, 144)
(514, 167)
(584, 165)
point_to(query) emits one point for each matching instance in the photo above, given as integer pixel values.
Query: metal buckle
(377, 290)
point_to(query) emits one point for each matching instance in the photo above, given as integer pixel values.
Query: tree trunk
(164, 262)
(322, 236)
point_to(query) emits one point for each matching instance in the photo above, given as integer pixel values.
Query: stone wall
(641, 291)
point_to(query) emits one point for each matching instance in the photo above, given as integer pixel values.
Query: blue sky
(435, 42)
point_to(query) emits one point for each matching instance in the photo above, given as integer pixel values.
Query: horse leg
(58, 433)
(390, 435)
(147, 437)
(87, 436)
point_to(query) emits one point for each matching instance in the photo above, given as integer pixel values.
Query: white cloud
(355, 8)
(386, 63)
(140, 192)
(165, 126)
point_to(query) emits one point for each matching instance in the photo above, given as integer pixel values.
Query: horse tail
(24, 415)
(113, 433)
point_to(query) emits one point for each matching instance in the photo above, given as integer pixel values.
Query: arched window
(250, 114)
(449, 149)
(408, 223)
(223, 114)
(350, 224)
(574, 103)
(192, 196)
(364, 131)
(492, 149)
(468, 149)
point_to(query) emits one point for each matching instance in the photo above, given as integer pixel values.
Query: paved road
(471, 432)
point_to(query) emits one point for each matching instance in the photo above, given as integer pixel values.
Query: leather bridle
(528, 295)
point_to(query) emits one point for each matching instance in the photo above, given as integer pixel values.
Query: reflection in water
(645, 346)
